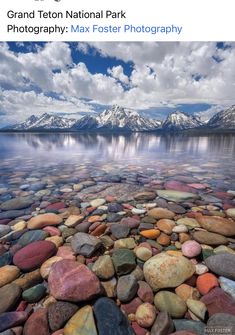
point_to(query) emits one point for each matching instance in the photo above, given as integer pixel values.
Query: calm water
(205, 156)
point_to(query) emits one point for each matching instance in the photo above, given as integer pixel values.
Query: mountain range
(120, 119)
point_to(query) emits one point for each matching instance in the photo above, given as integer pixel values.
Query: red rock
(145, 292)
(5, 221)
(218, 301)
(199, 186)
(131, 307)
(22, 306)
(127, 206)
(99, 230)
(34, 254)
(53, 231)
(178, 186)
(224, 195)
(37, 323)
(71, 281)
(138, 330)
(66, 252)
(55, 206)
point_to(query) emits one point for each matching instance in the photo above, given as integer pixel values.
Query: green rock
(124, 261)
(34, 294)
(171, 303)
(207, 253)
(176, 196)
(82, 323)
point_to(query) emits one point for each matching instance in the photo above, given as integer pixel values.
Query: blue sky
(73, 79)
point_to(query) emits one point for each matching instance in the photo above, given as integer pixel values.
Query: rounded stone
(46, 266)
(145, 315)
(191, 249)
(231, 212)
(81, 323)
(169, 302)
(59, 313)
(166, 225)
(126, 288)
(34, 294)
(197, 307)
(97, 202)
(205, 237)
(43, 220)
(161, 213)
(8, 273)
(71, 281)
(222, 264)
(206, 282)
(163, 271)
(33, 255)
(217, 225)
(143, 253)
(103, 267)
(10, 295)
(37, 323)
(32, 236)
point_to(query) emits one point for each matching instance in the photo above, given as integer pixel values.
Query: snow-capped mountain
(180, 121)
(120, 118)
(87, 122)
(45, 121)
(224, 119)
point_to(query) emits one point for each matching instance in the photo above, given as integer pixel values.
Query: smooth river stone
(70, 281)
(34, 255)
(126, 288)
(59, 313)
(37, 323)
(163, 270)
(32, 236)
(176, 196)
(171, 303)
(12, 319)
(82, 323)
(205, 237)
(103, 267)
(218, 301)
(110, 320)
(221, 320)
(8, 273)
(4, 230)
(161, 213)
(191, 326)
(34, 294)
(17, 203)
(227, 285)
(222, 265)
(46, 266)
(9, 295)
(191, 249)
(163, 324)
(85, 244)
(124, 261)
(43, 220)
(178, 186)
(217, 225)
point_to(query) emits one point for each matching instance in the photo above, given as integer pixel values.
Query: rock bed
(121, 254)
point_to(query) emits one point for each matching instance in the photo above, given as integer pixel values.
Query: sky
(154, 78)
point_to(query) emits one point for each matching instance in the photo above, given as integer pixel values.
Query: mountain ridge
(118, 118)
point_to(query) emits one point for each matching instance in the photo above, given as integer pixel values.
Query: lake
(135, 157)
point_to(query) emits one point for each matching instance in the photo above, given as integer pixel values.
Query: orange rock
(176, 253)
(183, 237)
(206, 282)
(95, 218)
(150, 233)
(164, 239)
(166, 225)
(185, 292)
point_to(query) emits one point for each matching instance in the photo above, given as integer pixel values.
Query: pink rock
(199, 186)
(66, 252)
(55, 206)
(22, 306)
(131, 307)
(145, 292)
(34, 254)
(191, 248)
(71, 281)
(218, 301)
(138, 330)
(53, 231)
(178, 186)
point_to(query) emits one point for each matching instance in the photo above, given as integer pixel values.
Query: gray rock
(126, 288)
(221, 321)
(17, 203)
(12, 214)
(124, 261)
(119, 230)
(163, 325)
(4, 229)
(222, 264)
(228, 286)
(85, 244)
